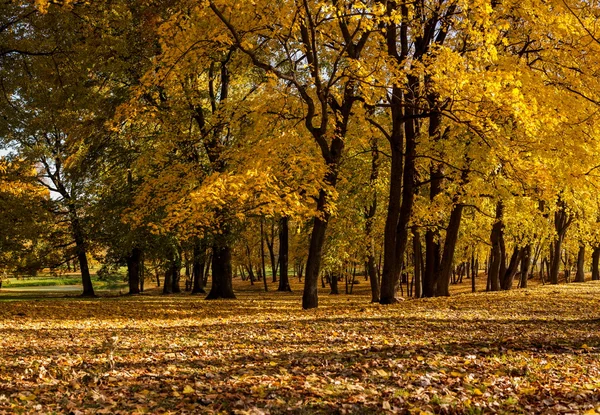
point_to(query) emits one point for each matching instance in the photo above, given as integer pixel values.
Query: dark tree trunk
(596, 264)
(580, 276)
(207, 268)
(272, 257)
(417, 262)
(373, 280)
(222, 277)
(198, 263)
(474, 270)
(168, 282)
(443, 285)
(251, 276)
(81, 250)
(369, 214)
(134, 270)
(333, 283)
(262, 252)
(496, 258)
(310, 297)
(508, 277)
(176, 271)
(142, 272)
(525, 265)
(390, 275)
(391, 267)
(284, 280)
(432, 263)
(561, 223)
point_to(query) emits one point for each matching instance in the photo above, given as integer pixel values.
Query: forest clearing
(523, 351)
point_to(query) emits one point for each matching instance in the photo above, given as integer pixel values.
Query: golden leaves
(180, 352)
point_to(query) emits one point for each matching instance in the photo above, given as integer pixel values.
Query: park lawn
(48, 280)
(523, 351)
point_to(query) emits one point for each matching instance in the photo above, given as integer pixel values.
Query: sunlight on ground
(527, 351)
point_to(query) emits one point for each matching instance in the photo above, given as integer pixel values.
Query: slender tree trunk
(389, 280)
(561, 223)
(496, 251)
(310, 297)
(142, 272)
(81, 250)
(443, 285)
(134, 270)
(262, 252)
(507, 278)
(176, 270)
(198, 263)
(474, 271)
(333, 283)
(207, 269)
(525, 265)
(580, 275)
(417, 262)
(596, 264)
(284, 280)
(432, 263)
(271, 249)
(373, 280)
(369, 215)
(390, 261)
(250, 273)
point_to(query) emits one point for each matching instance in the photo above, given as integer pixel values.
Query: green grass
(114, 282)
(40, 282)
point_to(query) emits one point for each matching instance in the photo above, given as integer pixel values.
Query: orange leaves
(503, 352)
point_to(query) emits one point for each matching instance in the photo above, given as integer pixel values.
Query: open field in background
(523, 351)
(46, 279)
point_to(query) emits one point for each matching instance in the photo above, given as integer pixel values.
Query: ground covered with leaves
(524, 351)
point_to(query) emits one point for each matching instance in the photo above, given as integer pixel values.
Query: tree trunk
(580, 276)
(496, 251)
(284, 280)
(222, 277)
(525, 265)
(168, 281)
(373, 280)
(271, 249)
(561, 223)
(390, 261)
(80, 246)
(508, 277)
(474, 271)
(176, 270)
(432, 263)
(596, 264)
(417, 262)
(443, 285)
(369, 214)
(262, 252)
(310, 298)
(134, 270)
(250, 273)
(389, 279)
(198, 263)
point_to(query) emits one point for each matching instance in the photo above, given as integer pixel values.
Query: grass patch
(106, 282)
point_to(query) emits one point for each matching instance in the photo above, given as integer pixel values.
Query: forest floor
(524, 351)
